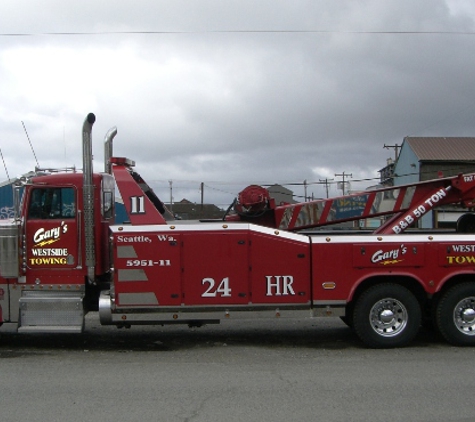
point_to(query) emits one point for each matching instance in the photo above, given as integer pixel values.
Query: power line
(326, 182)
(238, 31)
(343, 177)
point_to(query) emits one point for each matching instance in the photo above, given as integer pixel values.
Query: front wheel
(455, 315)
(386, 315)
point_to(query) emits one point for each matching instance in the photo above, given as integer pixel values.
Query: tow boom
(407, 204)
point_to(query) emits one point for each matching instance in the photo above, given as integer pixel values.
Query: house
(426, 158)
(386, 174)
(281, 195)
(6, 200)
(7, 187)
(187, 210)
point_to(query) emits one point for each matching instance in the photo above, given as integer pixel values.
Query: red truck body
(63, 257)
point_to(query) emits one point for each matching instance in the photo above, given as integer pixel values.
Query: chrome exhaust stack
(108, 149)
(88, 196)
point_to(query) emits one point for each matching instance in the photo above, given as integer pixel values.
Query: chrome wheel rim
(388, 317)
(464, 316)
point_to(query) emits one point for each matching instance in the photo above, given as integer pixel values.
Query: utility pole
(396, 147)
(342, 175)
(305, 190)
(202, 189)
(327, 185)
(170, 182)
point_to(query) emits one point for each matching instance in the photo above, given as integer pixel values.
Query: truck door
(51, 229)
(216, 268)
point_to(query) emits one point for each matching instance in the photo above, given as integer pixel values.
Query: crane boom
(407, 203)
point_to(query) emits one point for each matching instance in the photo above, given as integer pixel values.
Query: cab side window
(52, 203)
(107, 205)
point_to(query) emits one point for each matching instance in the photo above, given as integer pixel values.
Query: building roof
(188, 210)
(442, 148)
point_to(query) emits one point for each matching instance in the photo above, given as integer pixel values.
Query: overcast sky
(231, 93)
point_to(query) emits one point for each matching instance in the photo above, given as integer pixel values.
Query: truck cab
(44, 252)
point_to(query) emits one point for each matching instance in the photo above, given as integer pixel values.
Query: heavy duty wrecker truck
(62, 256)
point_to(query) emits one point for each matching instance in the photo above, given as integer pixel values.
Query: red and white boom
(407, 203)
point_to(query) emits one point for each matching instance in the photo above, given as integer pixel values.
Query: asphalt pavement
(267, 370)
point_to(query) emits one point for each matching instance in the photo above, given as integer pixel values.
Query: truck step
(50, 312)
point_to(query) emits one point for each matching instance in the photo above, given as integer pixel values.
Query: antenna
(31, 145)
(4, 165)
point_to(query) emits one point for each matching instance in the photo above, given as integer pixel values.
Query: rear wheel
(455, 315)
(386, 315)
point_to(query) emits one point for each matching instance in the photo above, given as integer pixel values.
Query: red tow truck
(63, 256)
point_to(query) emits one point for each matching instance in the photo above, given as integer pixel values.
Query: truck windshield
(51, 203)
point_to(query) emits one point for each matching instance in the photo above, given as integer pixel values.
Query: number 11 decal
(137, 205)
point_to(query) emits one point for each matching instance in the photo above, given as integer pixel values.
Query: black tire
(348, 318)
(455, 315)
(386, 315)
(347, 321)
(466, 223)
